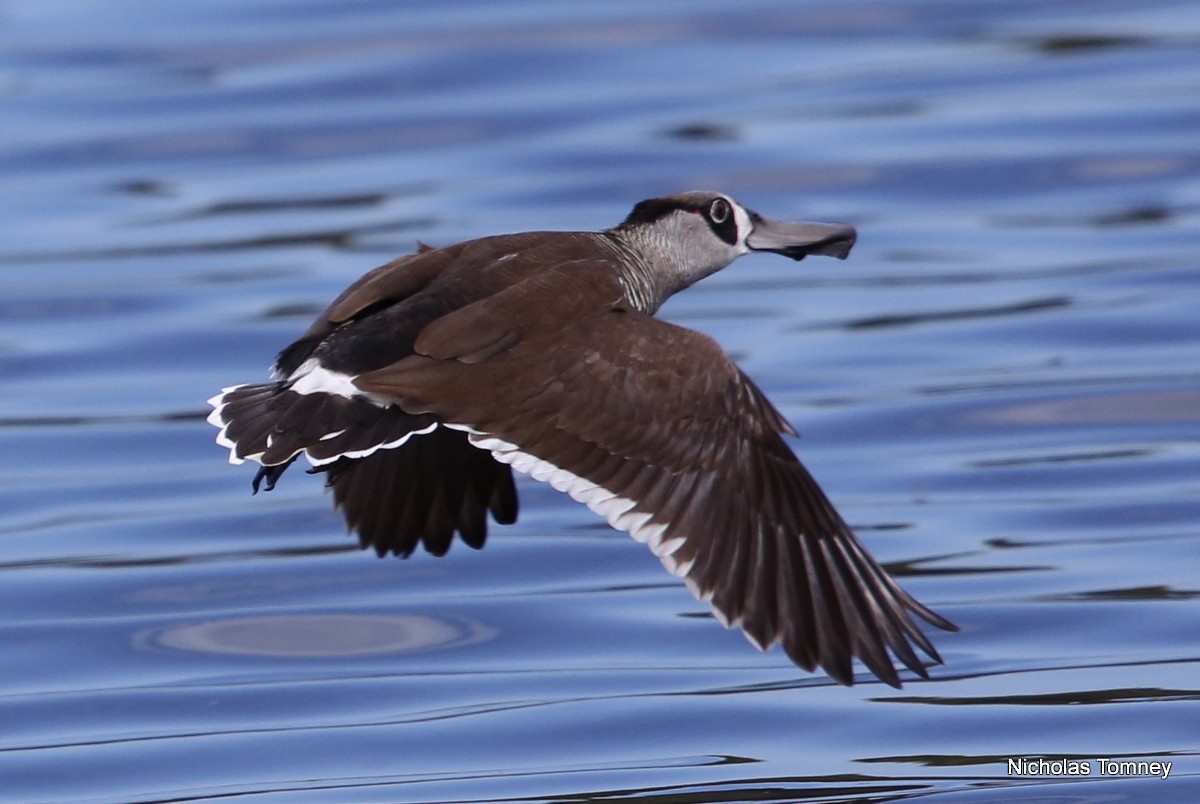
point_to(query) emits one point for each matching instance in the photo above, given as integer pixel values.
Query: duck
(421, 388)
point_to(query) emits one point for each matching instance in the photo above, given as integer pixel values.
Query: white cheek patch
(744, 226)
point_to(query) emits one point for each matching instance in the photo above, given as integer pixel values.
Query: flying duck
(428, 380)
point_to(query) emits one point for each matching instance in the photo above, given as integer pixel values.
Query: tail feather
(243, 414)
(396, 495)
(271, 424)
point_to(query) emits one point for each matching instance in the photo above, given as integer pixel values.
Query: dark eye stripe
(726, 228)
(652, 209)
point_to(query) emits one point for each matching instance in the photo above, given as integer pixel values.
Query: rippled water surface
(1000, 389)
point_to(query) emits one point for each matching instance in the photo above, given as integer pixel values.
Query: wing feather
(684, 452)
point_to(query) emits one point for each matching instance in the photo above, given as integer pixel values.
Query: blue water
(1000, 389)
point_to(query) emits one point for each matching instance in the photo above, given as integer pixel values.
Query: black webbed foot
(271, 474)
(331, 470)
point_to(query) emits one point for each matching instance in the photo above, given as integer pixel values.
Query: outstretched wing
(423, 492)
(653, 427)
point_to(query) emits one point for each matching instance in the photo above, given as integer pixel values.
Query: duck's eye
(718, 211)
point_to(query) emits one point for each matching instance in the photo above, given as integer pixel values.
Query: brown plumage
(424, 381)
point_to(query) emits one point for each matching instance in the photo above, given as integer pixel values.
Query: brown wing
(401, 480)
(398, 279)
(443, 280)
(652, 426)
(423, 492)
